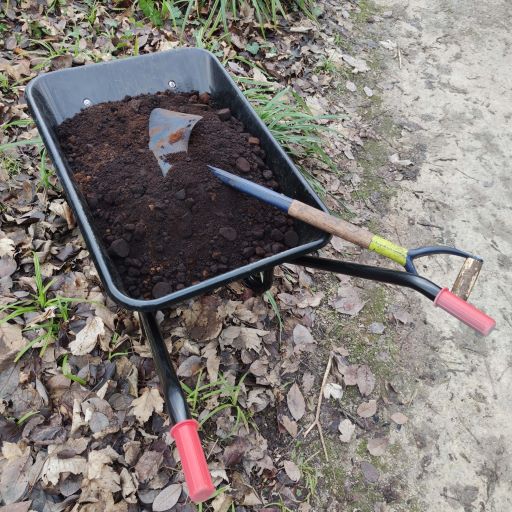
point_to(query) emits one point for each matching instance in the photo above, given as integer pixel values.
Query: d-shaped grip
(464, 312)
(193, 461)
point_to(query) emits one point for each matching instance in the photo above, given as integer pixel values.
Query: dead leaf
(296, 402)
(167, 498)
(86, 339)
(333, 390)
(189, 366)
(149, 402)
(365, 380)
(54, 466)
(7, 247)
(11, 342)
(350, 374)
(399, 418)
(289, 425)
(23, 506)
(203, 320)
(377, 446)
(292, 470)
(302, 336)
(367, 409)
(222, 503)
(346, 429)
(347, 301)
(7, 266)
(370, 472)
(14, 479)
(148, 465)
(358, 65)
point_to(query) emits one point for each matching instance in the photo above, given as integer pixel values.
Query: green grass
(52, 312)
(292, 124)
(227, 395)
(219, 13)
(66, 371)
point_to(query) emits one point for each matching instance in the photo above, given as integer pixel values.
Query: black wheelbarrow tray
(59, 95)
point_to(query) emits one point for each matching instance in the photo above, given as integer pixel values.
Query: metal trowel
(169, 132)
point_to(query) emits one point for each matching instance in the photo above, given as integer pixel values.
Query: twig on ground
(355, 419)
(318, 408)
(399, 58)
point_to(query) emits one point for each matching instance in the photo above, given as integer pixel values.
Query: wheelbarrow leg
(261, 282)
(184, 428)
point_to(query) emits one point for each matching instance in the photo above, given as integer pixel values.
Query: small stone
(204, 97)
(268, 174)
(276, 235)
(291, 238)
(180, 195)
(253, 141)
(228, 233)
(277, 247)
(248, 252)
(120, 248)
(224, 114)
(193, 98)
(260, 251)
(161, 289)
(243, 165)
(258, 233)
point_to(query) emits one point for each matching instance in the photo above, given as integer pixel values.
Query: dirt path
(452, 94)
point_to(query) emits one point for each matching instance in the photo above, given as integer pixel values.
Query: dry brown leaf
(148, 465)
(149, 402)
(6, 247)
(14, 479)
(167, 498)
(302, 336)
(86, 339)
(399, 418)
(292, 470)
(189, 366)
(350, 374)
(365, 380)
(367, 409)
(346, 429)
(22, 506)
(333, 390)
(54, 466)
(222, 503)
(347, 301)
(128, 486)
(11, 342)
(289, 425)
(204, 320)
(378, 446)
(296, 402)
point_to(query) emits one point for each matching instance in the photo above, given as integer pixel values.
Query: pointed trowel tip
(222, 175)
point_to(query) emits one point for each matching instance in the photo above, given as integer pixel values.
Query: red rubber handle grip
(465, 312)
(193, 461)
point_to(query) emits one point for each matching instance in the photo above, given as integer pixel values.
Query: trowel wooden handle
(330, 224)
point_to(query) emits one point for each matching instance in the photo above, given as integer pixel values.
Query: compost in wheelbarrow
(164, 232)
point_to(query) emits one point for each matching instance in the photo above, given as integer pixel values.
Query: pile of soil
(166, 233)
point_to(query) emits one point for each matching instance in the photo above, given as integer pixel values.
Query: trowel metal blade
(169, 132)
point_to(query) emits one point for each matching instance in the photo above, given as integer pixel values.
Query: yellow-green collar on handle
(388, 249)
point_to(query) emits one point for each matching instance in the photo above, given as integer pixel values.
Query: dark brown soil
(164, 234)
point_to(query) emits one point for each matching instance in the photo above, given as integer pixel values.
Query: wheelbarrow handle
(442, 297)
(184, 428)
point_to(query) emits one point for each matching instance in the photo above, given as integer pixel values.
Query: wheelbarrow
(59, 95)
